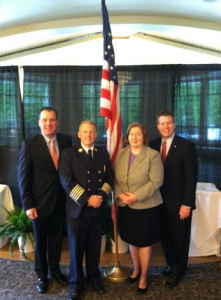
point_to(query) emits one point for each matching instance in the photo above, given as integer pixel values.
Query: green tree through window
(36, 96)
(130, 106)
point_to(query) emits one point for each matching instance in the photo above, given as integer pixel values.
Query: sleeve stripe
(76, 193)
(106, 188)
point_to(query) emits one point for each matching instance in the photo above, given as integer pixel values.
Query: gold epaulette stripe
(76, 193)
(106, 188)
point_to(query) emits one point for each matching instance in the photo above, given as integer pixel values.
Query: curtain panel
(197, 109)
(11, 128)
(192, 92)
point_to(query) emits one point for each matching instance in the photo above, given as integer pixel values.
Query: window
(9, 118)
(91, 107)
(197, 113)
(198, 106)
(36, 95)
(130, 106)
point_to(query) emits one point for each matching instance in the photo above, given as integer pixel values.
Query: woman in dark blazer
(138, 177)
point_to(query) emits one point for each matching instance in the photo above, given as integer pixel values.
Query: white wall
(132, 51)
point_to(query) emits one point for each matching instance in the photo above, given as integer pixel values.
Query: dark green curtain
(144, 90)
(198, 111)
(75, 92)
(11, 128)
(193, 92)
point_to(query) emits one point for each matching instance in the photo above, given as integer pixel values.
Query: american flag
(109, 102)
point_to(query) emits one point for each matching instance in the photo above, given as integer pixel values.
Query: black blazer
(81, 180)
(180, 173)
(38, 179)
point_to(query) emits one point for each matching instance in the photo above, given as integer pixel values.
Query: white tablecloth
(6, 201)
(206, 221)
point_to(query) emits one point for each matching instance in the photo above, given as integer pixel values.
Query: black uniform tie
(90, 158)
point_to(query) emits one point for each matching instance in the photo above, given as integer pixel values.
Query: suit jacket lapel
(60, 144)
(95, 156)
(84, 156)
(124, 160)
(138, 160)
(46, 150)
(44, 146)
(173, 147)
(158, 144)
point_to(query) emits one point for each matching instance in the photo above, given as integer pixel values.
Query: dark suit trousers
(176, 240)
(48, 232)
(84, 236)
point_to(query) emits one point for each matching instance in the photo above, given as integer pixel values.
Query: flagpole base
(117, 273)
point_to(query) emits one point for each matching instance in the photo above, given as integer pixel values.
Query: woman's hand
(127, 198)
(122, 197)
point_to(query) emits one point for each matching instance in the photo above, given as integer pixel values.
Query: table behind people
(7, 202)
(206, 221)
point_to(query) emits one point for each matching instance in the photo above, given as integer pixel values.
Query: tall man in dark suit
(178, 192)
(42, 195)
(86, 175)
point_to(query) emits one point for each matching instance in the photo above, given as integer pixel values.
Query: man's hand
(32, 213)
(95, 201)
(184, 212)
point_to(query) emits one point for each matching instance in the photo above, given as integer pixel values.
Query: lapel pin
(80, 150)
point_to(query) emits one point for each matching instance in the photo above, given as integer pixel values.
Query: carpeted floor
(203, 282)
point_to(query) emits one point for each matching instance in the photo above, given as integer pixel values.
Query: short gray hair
(88, 122)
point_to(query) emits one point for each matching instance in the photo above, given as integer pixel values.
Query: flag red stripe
(104, 112)
(105, 94)
(109, 103)
(105, 74)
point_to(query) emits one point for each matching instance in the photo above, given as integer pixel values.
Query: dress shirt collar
(86, 148)
(169, 142)
(47, 139)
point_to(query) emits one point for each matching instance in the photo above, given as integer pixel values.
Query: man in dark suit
(86, 175)
(178, 192)
(42, 195)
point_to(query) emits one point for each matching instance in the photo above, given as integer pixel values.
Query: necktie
(54, 154)
(164, 151)
(89, 153)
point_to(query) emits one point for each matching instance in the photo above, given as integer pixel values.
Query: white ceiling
(31, 24)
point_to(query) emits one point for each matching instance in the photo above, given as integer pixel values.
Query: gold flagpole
(116, 272)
